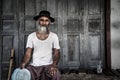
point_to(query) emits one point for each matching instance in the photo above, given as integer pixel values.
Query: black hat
(44, 13)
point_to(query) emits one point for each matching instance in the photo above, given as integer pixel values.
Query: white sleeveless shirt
(42, 49)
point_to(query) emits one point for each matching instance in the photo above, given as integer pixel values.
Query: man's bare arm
(27, 57)
(56, 56)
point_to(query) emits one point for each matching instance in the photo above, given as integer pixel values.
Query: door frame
(107, 34)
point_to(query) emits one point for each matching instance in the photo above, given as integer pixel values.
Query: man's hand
(22, 65)
(52, 70)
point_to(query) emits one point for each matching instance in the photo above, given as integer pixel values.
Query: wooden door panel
(7, 7)
(73, 51)
(95, 29)
(73, 48)
(73, 40)
(73, 25)
(94, 47)
(73, 8)
(94, 6)
(8, 25)
(8, 41)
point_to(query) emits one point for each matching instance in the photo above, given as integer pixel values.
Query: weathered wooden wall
(79, 25)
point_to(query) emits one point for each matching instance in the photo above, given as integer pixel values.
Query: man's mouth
(42, 29)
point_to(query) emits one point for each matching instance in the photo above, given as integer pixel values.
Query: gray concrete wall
(115, 34)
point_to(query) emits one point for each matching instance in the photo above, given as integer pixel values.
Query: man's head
(43, 20)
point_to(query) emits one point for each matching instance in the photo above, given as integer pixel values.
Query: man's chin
(44, 25)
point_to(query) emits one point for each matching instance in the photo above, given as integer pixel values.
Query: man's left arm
(56, 56)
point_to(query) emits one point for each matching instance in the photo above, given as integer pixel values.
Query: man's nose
(44, 22)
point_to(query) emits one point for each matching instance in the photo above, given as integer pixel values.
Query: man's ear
(37, 22)
(51, 22)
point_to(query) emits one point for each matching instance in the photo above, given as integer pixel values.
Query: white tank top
(42, 49)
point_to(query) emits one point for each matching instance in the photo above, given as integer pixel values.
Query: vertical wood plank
(41, 5)
(64, 18)
(21, 30)
(60, 31)
(52, 6)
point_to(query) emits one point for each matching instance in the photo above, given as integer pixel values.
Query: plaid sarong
(41, 73)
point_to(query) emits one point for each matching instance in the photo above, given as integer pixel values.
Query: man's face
(44, 21)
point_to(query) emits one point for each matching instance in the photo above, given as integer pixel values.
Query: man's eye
(46, 20)
(43, 20)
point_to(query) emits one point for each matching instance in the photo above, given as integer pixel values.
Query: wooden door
(79, 25)
(83, 33)
(8, 34)
(94, 33)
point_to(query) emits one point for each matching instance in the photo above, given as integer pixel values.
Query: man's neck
(43, 33)
(42, 36)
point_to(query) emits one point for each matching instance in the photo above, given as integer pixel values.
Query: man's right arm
(26, 58)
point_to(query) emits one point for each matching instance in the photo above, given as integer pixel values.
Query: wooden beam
(107, 34)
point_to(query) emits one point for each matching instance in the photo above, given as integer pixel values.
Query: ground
(83, 76)
(107, 74)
